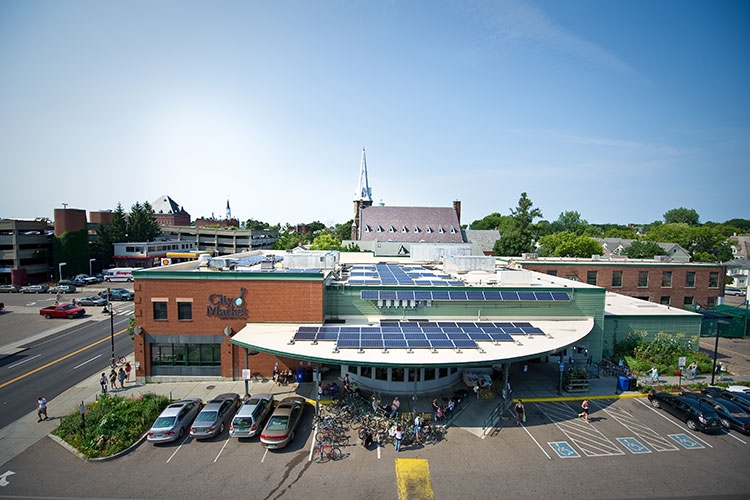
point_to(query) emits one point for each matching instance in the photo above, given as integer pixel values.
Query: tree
(643, 250)
(118, 226)
(142, 224)
(684, 215)
(344, 231)
(518, 239)
(571, 222)
(568, 244)
(493, 221)
(325, 242)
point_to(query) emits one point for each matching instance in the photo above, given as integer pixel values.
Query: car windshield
(68, 306)
(277, 423)
(207, 416)
(163, 422)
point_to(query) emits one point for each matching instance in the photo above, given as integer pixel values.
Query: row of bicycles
(337, 421)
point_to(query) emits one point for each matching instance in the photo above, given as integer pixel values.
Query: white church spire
(363, 192)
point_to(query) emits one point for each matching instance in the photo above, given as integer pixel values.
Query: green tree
(344, 231)
(623, 232)
(570, 222)
(325, 241)
(142, 224)
(643, 250)
(495, 221)
(569, 244)
(518, 239)
(118, 226)
(682, 215)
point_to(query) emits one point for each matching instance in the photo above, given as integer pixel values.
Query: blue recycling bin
(300, 375)
(623, 383)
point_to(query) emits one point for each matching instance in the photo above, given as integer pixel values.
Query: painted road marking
(563, 449)
(585, 436)
(413, 479)
(646, 435)
(633, 445)
(4, 478)
(686, 441)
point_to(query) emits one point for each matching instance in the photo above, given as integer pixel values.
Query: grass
(112, 424)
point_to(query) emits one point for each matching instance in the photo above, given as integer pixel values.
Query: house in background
(616, 247)
(169, 213)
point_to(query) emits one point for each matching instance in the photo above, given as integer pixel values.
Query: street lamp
(91, 272)
(716, 347)
(60, 267)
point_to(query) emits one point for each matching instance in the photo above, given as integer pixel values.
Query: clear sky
(617, 110)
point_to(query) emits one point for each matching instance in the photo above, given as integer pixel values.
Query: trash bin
(633, 384)
(300, 375)
(623, 383)
(309, 375)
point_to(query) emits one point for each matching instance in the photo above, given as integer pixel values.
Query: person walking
(121, 378)
(41, 408)
(128, 369)
(103, 383)
(720, 370)
(585, 410)
(417, 428)
(113, 379)
(395, 406)
(520, 412)
(399, 436)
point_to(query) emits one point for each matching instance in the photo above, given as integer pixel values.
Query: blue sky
(617, 110)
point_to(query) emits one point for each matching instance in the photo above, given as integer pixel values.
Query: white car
(734, 291)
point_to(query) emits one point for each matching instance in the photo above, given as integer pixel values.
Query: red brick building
(674, 284)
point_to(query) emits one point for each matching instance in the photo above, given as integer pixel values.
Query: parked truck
(64, 310)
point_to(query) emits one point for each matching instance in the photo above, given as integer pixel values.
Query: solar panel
(349, 329)
(371, 336)
(448, 329)
(509, 296)
(521, 324)
(414, 336)
(561, 296)
(479, 335)
(526, 296)
(533, 331)
(371, 344)
(465, 324)
(439, 335)
(440, 295)
(543, 296)
(457, 295)
(503, 325)
(418, 343)
(348, 344)
(327, 335)
(457, 335)
(404, 295)
(369, 295)
(474, 295)
(441, 343)
(491, 295)
(421, 295)
(388, 294)
(393, 336)
(513, 331)
(501, 337)
(313, 329)
(446, 324)
(394, 343)
(304, 335)
(465, 344)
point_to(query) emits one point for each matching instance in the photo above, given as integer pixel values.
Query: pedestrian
(720, 370)
(121, 377)
(41, 408)
(276, 375)
(128, 369)
(478, 388)
(395, 405)
(103, 383)
(347, 384)
(585, 410)
(113, 379)
(417, 428)
(320, 391)
(692, 370)
(435, 407)
(520, 412)
(399, 436)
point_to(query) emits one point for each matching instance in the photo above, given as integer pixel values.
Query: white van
(119, 274)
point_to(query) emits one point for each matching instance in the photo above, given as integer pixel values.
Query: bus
(119, 274)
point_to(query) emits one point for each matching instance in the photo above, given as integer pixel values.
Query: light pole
(111, 326)
(60, 266)
(719, 322)
(91, 272)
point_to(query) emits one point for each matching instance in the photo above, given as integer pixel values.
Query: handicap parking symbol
(563, 449)
(633, 445)
(685, 441)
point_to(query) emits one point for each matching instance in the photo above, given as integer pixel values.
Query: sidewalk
(476, 416)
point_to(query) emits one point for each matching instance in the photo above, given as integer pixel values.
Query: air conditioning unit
(530, 256)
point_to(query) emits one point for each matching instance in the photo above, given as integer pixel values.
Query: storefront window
(381, 373)
(397, 375)
(366, 372)
(442, 372)
(175, 355)
(429, 374)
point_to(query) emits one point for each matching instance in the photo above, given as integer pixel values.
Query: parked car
(279, 430)
(696, 414)
(249, 419)
(739, 398)
(734, 291)
(739, 388)
(89, 280)
(174, 421)
(92, 300)
(10, 288)
(35, 289)
(215, 416)
(117, 294)
(62, 289)
(732, 415)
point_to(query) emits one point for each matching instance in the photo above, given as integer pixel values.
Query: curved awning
(278, 339)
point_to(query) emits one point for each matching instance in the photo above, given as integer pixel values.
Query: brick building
(675, 284)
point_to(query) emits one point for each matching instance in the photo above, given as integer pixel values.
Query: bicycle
(327, 451)
(117, 361)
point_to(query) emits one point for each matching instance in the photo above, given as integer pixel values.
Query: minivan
(249, 419)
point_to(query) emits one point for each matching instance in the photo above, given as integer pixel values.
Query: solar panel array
(394, 274)
(465, 295)
(417, 334)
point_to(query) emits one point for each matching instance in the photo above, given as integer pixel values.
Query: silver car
(174, 421)
(215, 416)
(248, 420)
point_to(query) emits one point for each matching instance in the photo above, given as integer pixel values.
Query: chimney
(457, 209)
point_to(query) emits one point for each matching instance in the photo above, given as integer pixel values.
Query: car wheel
(47, 316)
(655, 403)
(691, 425)
(70, 316)
(221, 428)
(181, 433)
(726, 423)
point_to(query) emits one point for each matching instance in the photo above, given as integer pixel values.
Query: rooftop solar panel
(421, 295)
(348, 344)
(418, 343)
(501, 337)
(388, 294)
(436, 335)
(313, 329)
(465, 324)
(457, 295)
(327, 335)
(491, 295)
(513, 331)
(465, 344)
(533, 331)
(503, 324)
(509, 296)
(440, 295)
(446, 324)
(394, 343)
(441, 344)
(369, 294)
(304, 336)
(371, 344)
(561, 296)
(474, 295)
(405, 295)
(543, 296)
(526, 296)
(479, 336)
(521, 324)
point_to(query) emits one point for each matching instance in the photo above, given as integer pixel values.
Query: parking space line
(536, 442)
(640, 431)
(178, 448)
(263, 458)
(226, 442)
(661, 414)
(584, 435)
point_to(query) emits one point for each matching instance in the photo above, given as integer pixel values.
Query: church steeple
(229, 210)
(362, 197)
(363, 192)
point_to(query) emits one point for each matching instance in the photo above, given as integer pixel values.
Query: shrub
(112, 424)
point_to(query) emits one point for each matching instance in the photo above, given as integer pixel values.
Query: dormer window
(428, 229)
(392, 229)
(367, 228)
(380, 228)
(441, 230)
(453, 230)
(404, 230)
(416, 229)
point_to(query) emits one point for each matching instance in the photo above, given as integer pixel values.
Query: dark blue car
(732, 415)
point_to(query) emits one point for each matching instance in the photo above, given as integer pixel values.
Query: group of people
(282, 377)
(122, 375)
(520, 411)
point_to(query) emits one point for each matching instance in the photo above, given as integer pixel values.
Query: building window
(711, 301)
(713, 280)
(664, 300)
(442, 372)
(642, 279)
(687, 301)
(591, 277)
(397, 374)
(429, 374)
(185, 311)
(552, 272)
(160, 310)
(666, 279)
(381, 373)
(186, 354)
(690, 279)
(365, 372)
(616, 279)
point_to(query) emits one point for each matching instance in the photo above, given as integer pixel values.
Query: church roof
(165, 205)
(410, 224)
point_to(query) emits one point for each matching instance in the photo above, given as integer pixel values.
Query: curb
(628, 395)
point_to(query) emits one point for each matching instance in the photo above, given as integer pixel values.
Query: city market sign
(223, 307)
